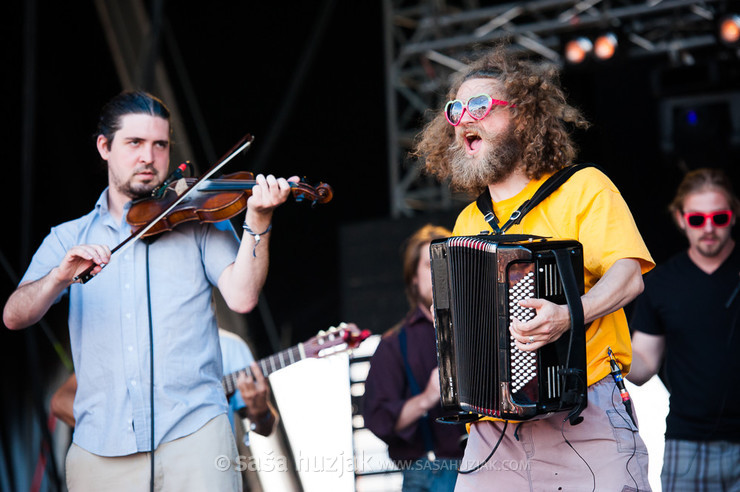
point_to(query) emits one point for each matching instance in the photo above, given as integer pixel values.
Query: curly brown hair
(540, 113)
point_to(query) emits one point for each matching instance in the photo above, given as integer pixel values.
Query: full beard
(472, 174)
(135, 190)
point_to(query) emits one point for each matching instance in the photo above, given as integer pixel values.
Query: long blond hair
(704, 179)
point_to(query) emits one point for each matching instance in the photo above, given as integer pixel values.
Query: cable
(479, 466)
(562, 433)
(151, 367)
(616, 373)
(634, 441)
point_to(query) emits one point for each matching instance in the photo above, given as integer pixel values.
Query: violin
(213, 201)
(205, 200)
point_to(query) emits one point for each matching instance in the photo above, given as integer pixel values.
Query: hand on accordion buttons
(549, 324)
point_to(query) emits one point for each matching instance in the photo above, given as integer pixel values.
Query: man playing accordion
(505, 131)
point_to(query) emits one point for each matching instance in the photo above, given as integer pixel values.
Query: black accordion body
(477, 283)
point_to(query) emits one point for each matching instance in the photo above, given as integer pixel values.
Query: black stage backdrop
(244, 59)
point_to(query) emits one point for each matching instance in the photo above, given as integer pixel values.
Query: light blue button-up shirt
(109, 331)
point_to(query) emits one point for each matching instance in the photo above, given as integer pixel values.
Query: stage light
(605, 46)
(576, 50)
(729, 29)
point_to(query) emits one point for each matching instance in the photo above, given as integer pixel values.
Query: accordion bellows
(477, 284)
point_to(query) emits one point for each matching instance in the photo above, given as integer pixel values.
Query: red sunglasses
(477, 107)
(720, 218)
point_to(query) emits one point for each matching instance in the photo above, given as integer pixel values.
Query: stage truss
(427, 41)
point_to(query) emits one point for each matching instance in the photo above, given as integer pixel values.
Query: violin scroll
(322, 193)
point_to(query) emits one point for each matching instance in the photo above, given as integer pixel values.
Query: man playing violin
(147, 317)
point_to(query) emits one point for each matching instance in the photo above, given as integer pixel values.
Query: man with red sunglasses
(505, 131)
(687, 320)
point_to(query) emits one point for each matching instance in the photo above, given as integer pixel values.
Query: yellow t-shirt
(590, 209)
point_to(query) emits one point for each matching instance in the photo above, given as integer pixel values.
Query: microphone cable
(483, 463)
(562, 433)
(634, 442)
(151, 366)
(616, 373)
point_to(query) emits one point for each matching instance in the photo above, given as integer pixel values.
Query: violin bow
(240, 146)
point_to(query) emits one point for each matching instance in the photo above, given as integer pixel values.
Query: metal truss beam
(427, 41)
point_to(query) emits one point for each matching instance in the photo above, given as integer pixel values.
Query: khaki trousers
(201, 461)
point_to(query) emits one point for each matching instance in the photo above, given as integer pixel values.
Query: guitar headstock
(346, 336)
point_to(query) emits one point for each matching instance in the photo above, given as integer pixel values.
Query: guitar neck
(268, 365)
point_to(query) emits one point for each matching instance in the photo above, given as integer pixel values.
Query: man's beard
(716, 249)
(138, 190)
(474, 174)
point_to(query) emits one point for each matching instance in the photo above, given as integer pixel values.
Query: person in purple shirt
(403, 412)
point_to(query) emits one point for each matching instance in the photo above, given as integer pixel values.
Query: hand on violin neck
(269, 193)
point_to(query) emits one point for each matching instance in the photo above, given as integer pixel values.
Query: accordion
(477, 282)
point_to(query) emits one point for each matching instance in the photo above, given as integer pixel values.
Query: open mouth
(472, 141)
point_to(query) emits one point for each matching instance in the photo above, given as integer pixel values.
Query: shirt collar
(415, 316)
(101, 208)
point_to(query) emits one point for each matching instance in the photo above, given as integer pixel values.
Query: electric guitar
(346, 336)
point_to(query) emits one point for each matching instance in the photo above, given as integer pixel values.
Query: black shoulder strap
(551, 184)
(574, 382)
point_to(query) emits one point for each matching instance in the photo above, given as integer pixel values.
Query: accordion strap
(551, 184)
(424, 425)
(573, 380)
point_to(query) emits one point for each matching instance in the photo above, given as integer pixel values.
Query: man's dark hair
(128, 102)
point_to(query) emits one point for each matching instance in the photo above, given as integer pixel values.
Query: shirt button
(133, 382)
(127, 286)
(130, 348)
(128, 315)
